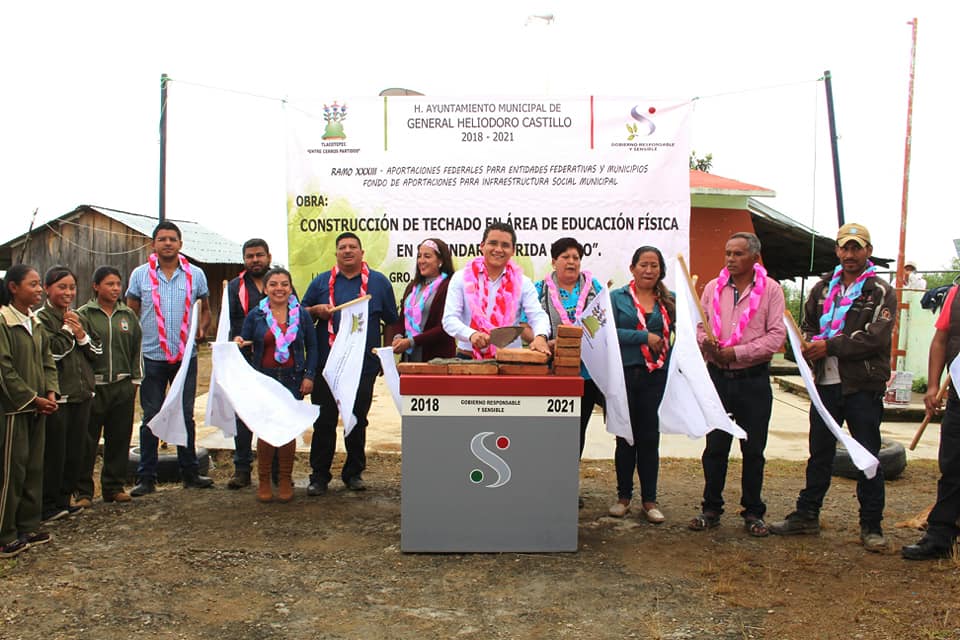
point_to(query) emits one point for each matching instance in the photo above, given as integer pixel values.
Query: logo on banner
(491, 459)
(595, 321)
(334, 116)
(643, 126)
(357, 325)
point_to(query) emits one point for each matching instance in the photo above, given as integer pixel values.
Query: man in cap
(911, 278)
(847, 325)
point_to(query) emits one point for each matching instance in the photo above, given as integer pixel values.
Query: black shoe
(144, 487)
(925, 549)
(13, 548)
(53, 514)
(73, 510)
(196, 481)
(355, 484)
(796, 523)
(35, 539)
(239, 480)
(316, 488)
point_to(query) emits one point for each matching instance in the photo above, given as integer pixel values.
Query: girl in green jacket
(74, 348)
(117, 371)
(28, 388)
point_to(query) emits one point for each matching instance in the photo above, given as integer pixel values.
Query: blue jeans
(644, 393)
(243, 448)
(863, 412)
(156, 376)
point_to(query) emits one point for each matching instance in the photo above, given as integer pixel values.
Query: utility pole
(831, 119)
(163, 147)
(897, 352)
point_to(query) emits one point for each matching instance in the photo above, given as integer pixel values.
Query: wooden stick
(796, 327)
(929, 415)
(693, 292)
(347, 304)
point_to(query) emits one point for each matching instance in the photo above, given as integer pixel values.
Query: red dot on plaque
(652, 110)
(503, 442)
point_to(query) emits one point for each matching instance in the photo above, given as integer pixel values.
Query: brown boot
(285, 455)
(264, 461)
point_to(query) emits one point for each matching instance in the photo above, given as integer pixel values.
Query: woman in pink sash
(419, 335)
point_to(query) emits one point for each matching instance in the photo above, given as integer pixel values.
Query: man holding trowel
(485, 298)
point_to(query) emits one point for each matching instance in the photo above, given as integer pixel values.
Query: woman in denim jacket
(284, 348)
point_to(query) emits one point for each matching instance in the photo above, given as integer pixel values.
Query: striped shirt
(173, 295)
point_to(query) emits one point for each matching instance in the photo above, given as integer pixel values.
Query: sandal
(704, 521)
(756, 527)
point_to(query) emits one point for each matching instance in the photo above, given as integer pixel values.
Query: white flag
(690, 402)
(342, 371)
(954, 370)
(220, 412)
(390, 374)
(265, 406)
(861, 458)
(600, 352)
(169, 424)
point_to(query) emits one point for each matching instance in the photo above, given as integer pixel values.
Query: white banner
(690, 402)
(390, 374)
(169, 424)
(861, 458)
(611, 172)
(600, 352)
(342, 371)
(265, 406)
(220, 412)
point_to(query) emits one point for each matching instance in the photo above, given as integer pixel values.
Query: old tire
(893, 460)
(168, 467)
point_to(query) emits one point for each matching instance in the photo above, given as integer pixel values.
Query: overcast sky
(80, 96)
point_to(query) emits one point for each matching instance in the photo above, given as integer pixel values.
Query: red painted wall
(709, 230)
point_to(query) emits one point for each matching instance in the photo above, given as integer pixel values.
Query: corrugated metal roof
(791, 248)
(200, 244)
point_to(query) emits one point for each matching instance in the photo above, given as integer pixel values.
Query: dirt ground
(216, 564)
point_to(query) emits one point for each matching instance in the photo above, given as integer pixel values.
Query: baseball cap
(853, 231)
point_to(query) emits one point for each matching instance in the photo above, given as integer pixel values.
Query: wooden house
(91, 236)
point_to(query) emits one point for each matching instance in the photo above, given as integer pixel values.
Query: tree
(939, 278)
(701, 164)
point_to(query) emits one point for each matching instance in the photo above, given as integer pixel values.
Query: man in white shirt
(490, 292)
(912, 279)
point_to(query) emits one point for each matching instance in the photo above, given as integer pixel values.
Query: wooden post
(693, 293)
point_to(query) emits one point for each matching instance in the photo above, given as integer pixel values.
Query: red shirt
(943, 321)
(270, 350)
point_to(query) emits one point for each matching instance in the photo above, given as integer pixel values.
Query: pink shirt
(765, 333)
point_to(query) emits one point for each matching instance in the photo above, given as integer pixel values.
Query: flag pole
(693, 294)
(796, 327)
(929, 415)
(347, 304)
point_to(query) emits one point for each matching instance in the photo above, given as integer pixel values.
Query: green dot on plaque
(476, 475)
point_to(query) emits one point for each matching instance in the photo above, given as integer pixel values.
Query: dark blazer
(433, 340)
